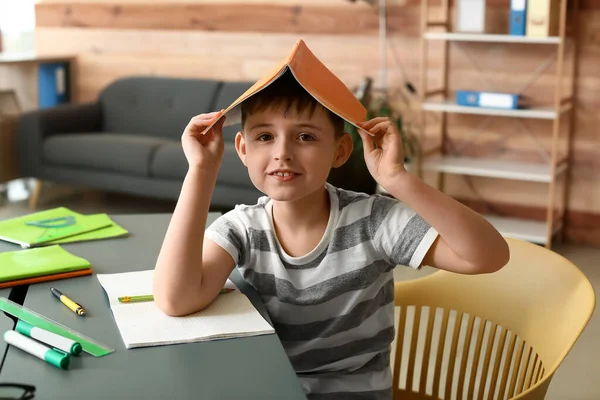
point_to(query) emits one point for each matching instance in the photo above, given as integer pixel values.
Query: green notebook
(30, 263)
(111, 231)
(39, 228)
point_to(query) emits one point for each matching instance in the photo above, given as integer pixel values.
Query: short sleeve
(399, 234)
(229, 232)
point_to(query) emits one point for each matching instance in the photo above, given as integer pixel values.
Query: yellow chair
(514, 328)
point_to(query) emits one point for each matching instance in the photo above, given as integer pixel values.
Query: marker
(76, 308)
(50, 338)
(57, 358)
(149, 297)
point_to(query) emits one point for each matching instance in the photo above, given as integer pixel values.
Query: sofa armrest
(35, 126)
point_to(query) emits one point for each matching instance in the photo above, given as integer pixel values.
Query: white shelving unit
(474, 37)
(452, 107)
(532, 231)
(440, 101)
(522, 171)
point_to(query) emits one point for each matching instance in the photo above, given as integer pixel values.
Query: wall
(241, 40)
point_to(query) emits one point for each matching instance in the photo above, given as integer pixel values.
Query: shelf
(452, 107)
(523, 171)
(531, 231)
(486, 37)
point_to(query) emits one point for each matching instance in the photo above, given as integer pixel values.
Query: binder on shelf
(470, 16)
(518, 15)
(53, 84)
(542, 18)
(506, 101)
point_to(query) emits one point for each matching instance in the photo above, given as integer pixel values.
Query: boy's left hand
(384, 153)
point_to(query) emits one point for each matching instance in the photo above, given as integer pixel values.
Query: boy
(320, 257)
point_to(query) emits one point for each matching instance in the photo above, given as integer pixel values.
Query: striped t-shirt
(333, 308)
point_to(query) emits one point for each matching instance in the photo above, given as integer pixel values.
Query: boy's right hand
(204, 151)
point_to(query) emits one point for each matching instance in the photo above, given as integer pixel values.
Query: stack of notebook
(41, 233)
(58, 225)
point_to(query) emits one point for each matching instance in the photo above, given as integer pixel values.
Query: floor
(578, 378)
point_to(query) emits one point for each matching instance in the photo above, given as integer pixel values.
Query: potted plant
(354, 175)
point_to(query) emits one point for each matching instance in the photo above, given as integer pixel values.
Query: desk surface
(248, 368)
(32, 57)
(6, 323)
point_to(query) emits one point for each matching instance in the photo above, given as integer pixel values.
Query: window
(17, 23)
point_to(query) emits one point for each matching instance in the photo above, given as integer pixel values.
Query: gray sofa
(129, 141)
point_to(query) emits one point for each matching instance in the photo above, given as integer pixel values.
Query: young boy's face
(289, 155)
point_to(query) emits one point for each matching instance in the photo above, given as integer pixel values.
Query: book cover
(315, 78)
(108, 232)
(45, 278)
(23, 264)
(42, 227)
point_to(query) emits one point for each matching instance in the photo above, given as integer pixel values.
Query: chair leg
(35, 195)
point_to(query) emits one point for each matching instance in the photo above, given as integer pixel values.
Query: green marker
(57, 358)
(50, 338)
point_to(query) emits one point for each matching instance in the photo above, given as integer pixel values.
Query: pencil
(149, 297)
(136, 299)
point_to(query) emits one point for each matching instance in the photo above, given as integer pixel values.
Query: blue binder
(507, 101)
(518, 17)
(53, 81)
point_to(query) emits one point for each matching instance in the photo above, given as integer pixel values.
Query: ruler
(89, 345)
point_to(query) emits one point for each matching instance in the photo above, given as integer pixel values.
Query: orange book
(315, 78)
(45, 278)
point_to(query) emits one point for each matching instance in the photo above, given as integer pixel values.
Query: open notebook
(143, 324)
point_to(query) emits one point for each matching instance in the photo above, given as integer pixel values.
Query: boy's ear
(344, 150)
(240, 147)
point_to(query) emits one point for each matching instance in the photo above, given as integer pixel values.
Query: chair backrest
(500, 335)
(162, 106)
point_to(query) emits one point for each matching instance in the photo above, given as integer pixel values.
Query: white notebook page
(144, 324)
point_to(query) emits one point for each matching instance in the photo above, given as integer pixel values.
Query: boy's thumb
(367, 140)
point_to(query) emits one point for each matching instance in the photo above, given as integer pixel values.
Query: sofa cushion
(153, 106)
(128, 154)
(169, 162)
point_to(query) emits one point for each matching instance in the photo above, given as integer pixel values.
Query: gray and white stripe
(333, 307)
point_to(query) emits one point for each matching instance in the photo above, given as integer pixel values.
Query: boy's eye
(306, 137)
(263, 137)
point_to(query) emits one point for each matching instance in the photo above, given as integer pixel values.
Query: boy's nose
(283, 152)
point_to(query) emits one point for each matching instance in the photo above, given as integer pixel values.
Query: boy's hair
(287, 92)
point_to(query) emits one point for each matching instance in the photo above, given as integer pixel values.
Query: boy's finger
(381, 128)
(372, 122)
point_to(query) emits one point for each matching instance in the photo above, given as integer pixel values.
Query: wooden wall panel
(269, 18)
(112, 45)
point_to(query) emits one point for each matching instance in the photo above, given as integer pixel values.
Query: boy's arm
(190, 271)
(467, 242)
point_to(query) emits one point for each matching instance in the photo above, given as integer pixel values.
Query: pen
(57, 358)
(76, 308)
(149, 297)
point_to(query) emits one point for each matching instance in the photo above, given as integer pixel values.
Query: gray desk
(245, 368)
(6, 323)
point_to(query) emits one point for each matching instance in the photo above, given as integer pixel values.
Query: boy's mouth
(283, 175)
